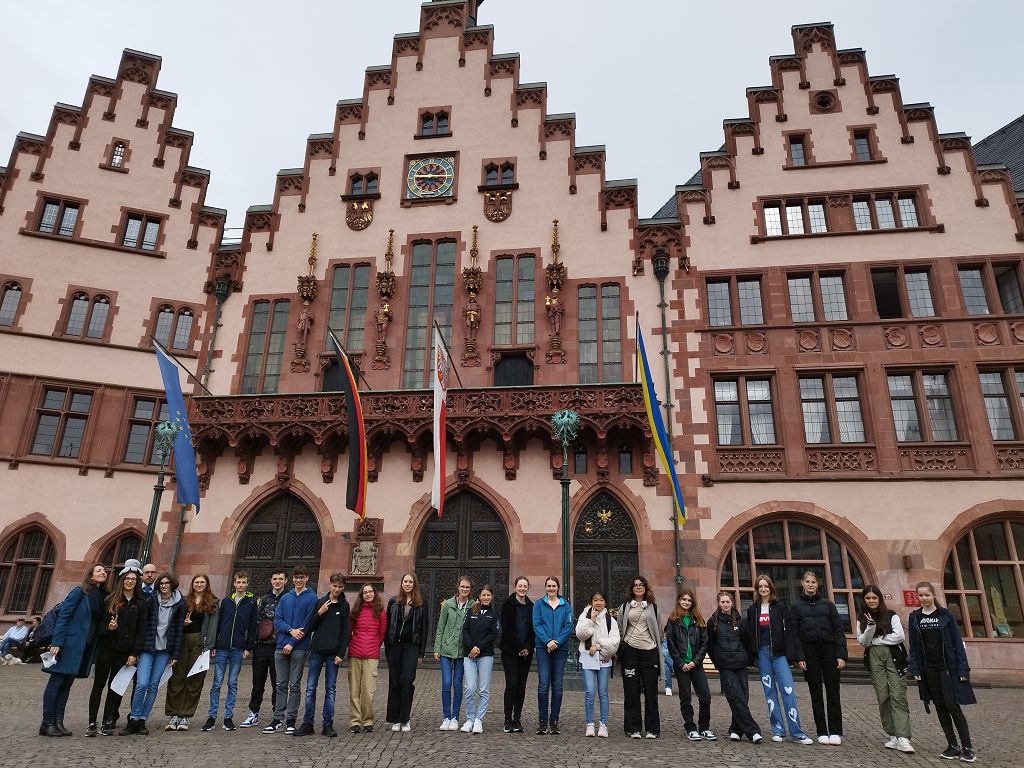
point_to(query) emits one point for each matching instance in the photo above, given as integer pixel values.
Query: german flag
(355, 498)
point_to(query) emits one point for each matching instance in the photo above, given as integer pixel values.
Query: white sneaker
(891, 743)
(668, 691)
(823, 739)
(636, 735)
(250, 721)
(445, 725)
(407, 727)
(453, 724)
(650, 735)
(172, 724)
(757, 738)
(478, 726)
(776, 738)
(804, 740)
(396, 727)
(590, 730)
(693, 735)
(903, 745)
(467, 727)
(733, 736)
(834, 740)
(602, 731)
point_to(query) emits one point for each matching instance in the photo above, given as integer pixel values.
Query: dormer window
(117, 155)
(797, 152)
(491, 175)
(364, 184)
(498, 172)
(508, 173)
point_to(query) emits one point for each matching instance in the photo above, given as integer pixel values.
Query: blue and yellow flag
(661, 443)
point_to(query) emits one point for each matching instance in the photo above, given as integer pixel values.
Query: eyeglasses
(164, 584)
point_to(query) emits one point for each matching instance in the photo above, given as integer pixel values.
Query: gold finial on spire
(555, 247)
(312, 253)
(389, 254)
(473, 250)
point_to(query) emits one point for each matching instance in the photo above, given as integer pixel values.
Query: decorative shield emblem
(359, 214)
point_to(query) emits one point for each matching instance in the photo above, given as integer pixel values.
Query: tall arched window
(173, 328)
(600, 334)
(265, 350)
(350, 285)
(784, 549)
(87, 316)
(9, 303)
(514, 299)
(983, 580)
(127, 546)
(26, 569)
(431, 291)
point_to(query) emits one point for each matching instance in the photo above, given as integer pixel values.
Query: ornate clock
(430, 177)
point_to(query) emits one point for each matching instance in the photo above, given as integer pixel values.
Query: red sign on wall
(910, 598)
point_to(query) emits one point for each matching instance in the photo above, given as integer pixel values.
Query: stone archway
(604, 551)
(282, 534)
(470, 539)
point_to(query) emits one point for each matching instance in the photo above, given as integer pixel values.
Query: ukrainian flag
(661, 443)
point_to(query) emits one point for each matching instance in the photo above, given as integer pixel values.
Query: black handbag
(899, 658)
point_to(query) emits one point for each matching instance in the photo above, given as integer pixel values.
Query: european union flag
(661, 443)
(187, 480)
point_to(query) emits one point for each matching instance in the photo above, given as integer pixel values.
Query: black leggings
(517, 670)
(108, 664)
(951, 717)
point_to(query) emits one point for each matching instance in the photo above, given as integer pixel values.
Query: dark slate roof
(670, 210)
(1005, 146)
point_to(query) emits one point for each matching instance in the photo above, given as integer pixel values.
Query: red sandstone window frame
(505, 170)
(736, 305)
(116, 155)
(991, 270)
(815, 277)
(142, 242)
(743, 405)
(359, 182)
(69, 409)
(421, 370)
(434, 122)
(921, 402)
(516, 323)
(901, 270)
(177, 310)
(93, 297)
(805, 157)
(968, 594)
(24, 287)
(352, 329)
(1012, 380)
(600, 342)
(864, 133)
(831, 408)
(16, 564)
(159, 413)
(58, 227)
(125, 545)
(262, 356)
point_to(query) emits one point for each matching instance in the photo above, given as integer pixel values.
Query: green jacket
(448, 640)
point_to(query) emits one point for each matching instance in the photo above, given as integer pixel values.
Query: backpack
(44, 632)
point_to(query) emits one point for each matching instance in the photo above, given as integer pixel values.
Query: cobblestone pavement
(995, 722)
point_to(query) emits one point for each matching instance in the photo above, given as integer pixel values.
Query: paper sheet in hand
(48, 659)
(165, 676)
(124, 676)
(590, 662)
(202, 664)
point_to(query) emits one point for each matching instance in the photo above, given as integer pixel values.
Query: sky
(650, 80)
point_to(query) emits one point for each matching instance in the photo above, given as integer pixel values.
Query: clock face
(430, 177)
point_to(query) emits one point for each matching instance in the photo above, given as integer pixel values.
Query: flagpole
(660, 262)
(440, 335)
(182, 366)
(361, 376)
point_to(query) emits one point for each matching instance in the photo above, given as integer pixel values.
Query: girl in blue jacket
(552, 626)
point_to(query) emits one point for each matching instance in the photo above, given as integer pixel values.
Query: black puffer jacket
(679, 637)
(781, 630)
(727, 643)
(816, 621)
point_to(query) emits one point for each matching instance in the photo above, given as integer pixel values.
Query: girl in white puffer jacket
(598, 632)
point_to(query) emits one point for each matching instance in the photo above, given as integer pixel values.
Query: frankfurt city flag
(661, 443)
(186, 478)
(442, 369)
(355, 496)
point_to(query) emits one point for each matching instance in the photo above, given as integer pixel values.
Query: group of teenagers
(167, 636)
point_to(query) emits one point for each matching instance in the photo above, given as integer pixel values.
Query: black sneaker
(306, 729)
(553, 728)
(289, 727)
(542, 728)
(329, 731)
(517, 726)
(367, 729)
(508, 726)
(356, 729)
(92, 730)
(229, 724)
(967, 755)
(107, 729)
(143, 730)
(209, 725)
(950, 753)
(274, 727)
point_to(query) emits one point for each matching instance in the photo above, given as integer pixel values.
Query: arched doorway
(281, 535)
(784, 549)
(470, 539)
(604, 551)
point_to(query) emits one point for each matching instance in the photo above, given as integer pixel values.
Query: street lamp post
(166, 432)
(566, 424)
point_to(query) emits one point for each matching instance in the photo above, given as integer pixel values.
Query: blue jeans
(596, 678)
(776, 676)
(550, 669)
(7, 644)
(147, 683)
(55, 697)
(318, 661)
(477, 685)
(231, 660)
(666, 657)
(451, 687)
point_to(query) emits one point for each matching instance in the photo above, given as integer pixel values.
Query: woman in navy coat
(73, 644)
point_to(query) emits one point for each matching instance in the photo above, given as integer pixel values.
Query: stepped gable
(820, 90)
(140, 118)
(1005, 147)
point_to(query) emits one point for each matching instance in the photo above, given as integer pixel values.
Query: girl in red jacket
(368, 623)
